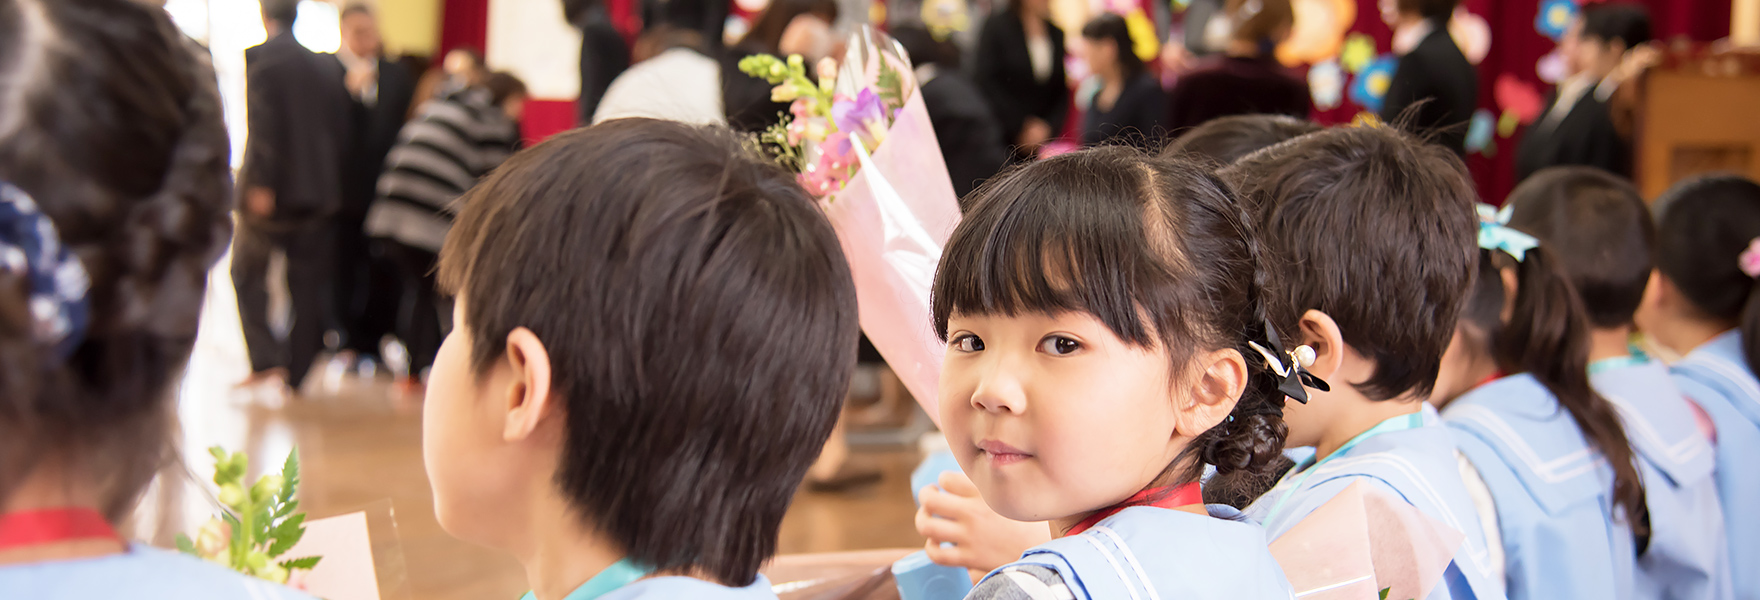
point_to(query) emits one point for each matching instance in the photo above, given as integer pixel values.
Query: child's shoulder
(687, 587)
(1518, 395)
(144, 573)
(1167, 551)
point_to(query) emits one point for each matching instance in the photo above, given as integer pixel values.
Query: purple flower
(864, 117)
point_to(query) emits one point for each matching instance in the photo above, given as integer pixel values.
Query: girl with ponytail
(1601, 230)
(1544, 443)
(114, 204)
(1108, 341)
(1704, 302)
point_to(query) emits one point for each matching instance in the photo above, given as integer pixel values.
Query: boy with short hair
(654, 332)
(1371, 235)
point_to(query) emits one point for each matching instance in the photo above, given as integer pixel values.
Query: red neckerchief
(1495, 375)
(48, 526)
(1162, 497)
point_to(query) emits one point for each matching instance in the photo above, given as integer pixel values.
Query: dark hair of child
(1589, 270)
(1616, 21)
(1225, 140)
(503, 85)
(113, 126)
(1156, 249)
(768, 26)
(1375, 228)
(708, 340)
(1703, 226)
(1111, 27)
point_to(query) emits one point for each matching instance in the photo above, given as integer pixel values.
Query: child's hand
(982, 540)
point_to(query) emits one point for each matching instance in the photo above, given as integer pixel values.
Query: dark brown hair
(1600, 230)
(1704, 226)
(112, 124)
(1112, 28)
(1624, 22)
(1375, 228)
(700, 318)
(1157, 249)
(503, 85)
(1547, 337)
(1261, 26)
(1227, 139)
(767, 29)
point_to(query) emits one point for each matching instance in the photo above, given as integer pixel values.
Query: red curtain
(1516, 47)
(463, 23)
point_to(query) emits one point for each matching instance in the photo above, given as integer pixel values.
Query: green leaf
(306, 563)
(185, 545)
(1384, 592)
(287, 534)
(289, 476)
(286, 509)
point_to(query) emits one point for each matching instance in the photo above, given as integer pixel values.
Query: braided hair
(110, 121)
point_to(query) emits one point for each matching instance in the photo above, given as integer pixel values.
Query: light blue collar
(1302, 472)
(614, 577)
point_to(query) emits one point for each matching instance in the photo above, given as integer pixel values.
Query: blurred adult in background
(1130, 103)
(460, 69)
(674, 79)
(1019, 66)
(706, 17)
(442, 153)
(300, 131)
(1432, 73)
(1577, 128)
(970, 138)
(604, 55)
(382, 90)
(114, 186)
(1246, 79)
(786, 27)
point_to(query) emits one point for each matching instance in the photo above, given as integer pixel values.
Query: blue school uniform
(1412, 457)
(1553, 493)
(1688, 556)
(623, 580)
(1150, 552)
(141, 573)
(1716, 377)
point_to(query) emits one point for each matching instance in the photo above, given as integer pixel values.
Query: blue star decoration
(1555, 17)
(1480, 131)
(1370, 87)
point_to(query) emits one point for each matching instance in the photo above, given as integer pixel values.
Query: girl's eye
(1058, 345)
(968, 343)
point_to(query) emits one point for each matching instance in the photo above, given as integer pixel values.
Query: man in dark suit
(604, 54)
(1433, 75)
(291, 183)
(365, 285)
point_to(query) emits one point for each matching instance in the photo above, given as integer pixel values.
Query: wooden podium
(1696, 112)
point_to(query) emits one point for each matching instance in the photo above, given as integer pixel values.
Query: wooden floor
(360, 448)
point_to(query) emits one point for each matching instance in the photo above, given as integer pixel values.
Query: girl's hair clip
(1749, 261)
(1295, 378)
(1496, 234)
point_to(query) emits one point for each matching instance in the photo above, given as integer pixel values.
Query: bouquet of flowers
(260, 523)
(859, 136)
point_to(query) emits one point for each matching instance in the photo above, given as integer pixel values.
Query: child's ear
(528, 402)
(1321, 333)
(1512, 283)
(1217, 391)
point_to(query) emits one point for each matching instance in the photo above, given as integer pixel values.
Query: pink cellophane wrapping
(1362, 541)
(893, 218)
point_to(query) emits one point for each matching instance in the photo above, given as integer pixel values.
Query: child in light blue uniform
(1701, 303)
(1106, 342)
(114, 203)
(1379, 313)
(655, 331)
(1600, 229)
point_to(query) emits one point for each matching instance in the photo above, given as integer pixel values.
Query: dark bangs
(1066, 235)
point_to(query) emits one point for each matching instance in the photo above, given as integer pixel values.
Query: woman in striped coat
(452, 142)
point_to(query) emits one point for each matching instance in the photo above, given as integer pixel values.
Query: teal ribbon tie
(1496, 234)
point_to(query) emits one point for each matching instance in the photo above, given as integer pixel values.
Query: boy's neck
(1365, 416)
(563, 552)
(1613, 342)
(1686, 335)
